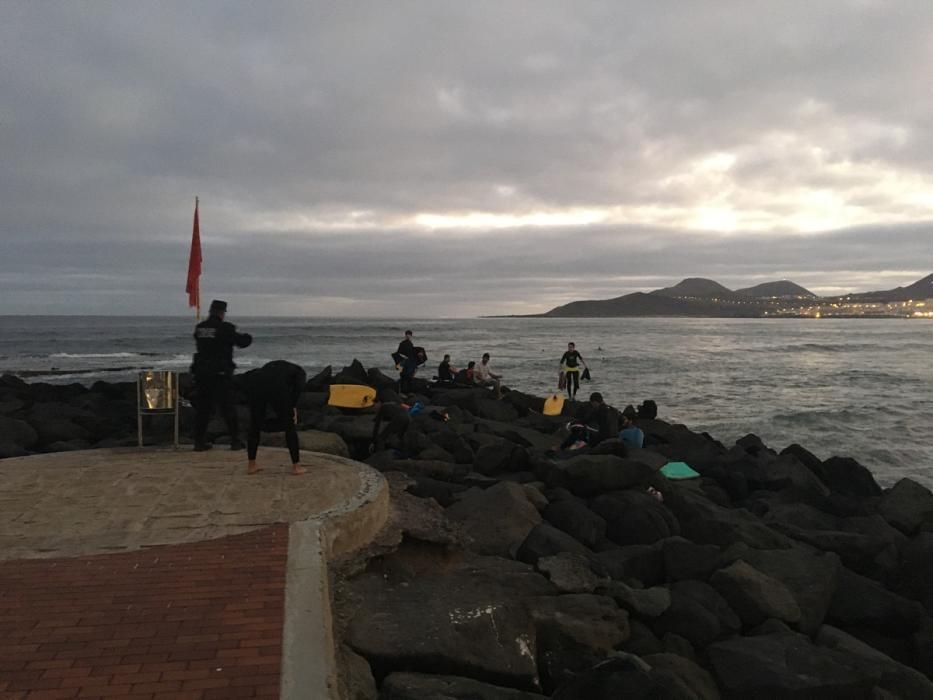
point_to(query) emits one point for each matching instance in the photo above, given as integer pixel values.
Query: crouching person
(389, 410)
(276, 386)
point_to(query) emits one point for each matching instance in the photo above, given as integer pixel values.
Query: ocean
(850, 387)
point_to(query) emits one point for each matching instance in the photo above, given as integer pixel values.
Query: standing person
(213, 373)
(406, 360)
(570, 366)
(446, 373)
(389, 409)
(276, 385)
(631, 434)
(484, 376)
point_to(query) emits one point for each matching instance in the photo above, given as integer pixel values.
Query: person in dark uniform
(276, 385)
(406, 361)
(446, 373)
(212, 369)
(390, 410)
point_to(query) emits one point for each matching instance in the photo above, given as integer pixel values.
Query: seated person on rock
(391, 410)
(277, 386)
(484, 376)
(445, 372)
(596, 415)
(465, 376)
(631, 434)
(578, 438)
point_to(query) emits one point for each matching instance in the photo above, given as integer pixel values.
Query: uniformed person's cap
(218, 305)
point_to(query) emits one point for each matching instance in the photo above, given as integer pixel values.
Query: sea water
(852, 387)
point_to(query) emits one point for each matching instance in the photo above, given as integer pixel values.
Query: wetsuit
(570, 362)
(405, 357)
(213, 375)
(598, 417)
(276, 385)
(398, 421)
(444, 375)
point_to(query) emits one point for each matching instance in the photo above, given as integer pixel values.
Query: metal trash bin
(156, 394)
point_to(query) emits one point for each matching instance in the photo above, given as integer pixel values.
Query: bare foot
(298, 470)
(252, 468)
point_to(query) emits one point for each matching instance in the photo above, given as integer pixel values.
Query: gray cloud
(317, 133)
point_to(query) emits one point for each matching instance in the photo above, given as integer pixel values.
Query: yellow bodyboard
(553, 405)
(351, 396)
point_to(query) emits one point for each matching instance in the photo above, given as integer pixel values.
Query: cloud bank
(426, 159)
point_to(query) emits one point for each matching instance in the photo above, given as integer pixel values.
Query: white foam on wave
(94, 355)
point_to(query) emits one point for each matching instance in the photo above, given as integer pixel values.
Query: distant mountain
(696, 296)
(783, 288)
(921, 289)
(696, 287)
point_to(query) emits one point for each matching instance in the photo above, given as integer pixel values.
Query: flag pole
(197, 313)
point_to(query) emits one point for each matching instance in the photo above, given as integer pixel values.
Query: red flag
(194, 264)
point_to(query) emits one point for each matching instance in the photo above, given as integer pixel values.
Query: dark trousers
(284, 420)
(214, 389)
(573, 383)
(409, 367)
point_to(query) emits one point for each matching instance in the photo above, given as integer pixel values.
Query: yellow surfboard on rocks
(351, 396)
(553, 405)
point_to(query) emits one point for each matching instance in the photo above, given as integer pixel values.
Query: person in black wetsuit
(212, 369)
(570, 365)
(390, 410)
(406, 361)
(446, 373)
(276, 385)
(597, 416)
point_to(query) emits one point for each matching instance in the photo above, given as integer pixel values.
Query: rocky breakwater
(512, 571)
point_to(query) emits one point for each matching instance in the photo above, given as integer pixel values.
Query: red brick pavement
(180, 622)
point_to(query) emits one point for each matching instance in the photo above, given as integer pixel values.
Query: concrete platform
(72, 517)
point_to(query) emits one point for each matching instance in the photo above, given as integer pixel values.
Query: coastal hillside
(696, 287)
(697, 296)
(780, 289)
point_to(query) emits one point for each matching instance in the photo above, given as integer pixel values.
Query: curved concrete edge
(309, 658)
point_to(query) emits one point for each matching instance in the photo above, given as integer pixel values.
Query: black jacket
(215, 340)
(278, 382)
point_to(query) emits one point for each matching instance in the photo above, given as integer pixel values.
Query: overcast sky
(458, 158)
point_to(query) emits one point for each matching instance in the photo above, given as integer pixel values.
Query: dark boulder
(916, 572)
(907, 506)
(845, 476)
(643, 602)
(499, 456)
(18, 433)
(570, 573)
(579, 621)
(469, 620)
(642, 563)
(788, 666)
(576, 519)
(807, 458)
(698, 614)
(692, 676)
(495, 521)
(354, 373)
(590, 475)
(379, 380)
(785, 472)
(684, 559)
(642, 641)
(812, 577)
(420, 686)
(709, 523)
(546, 540)
(862, 602)
(444, 492)
(635, 517)
(8, 450)
(320, 381)
(903, 681)
(872, 556)
(624, 676)
(755, 596)
(496, 410)
(59, 430)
